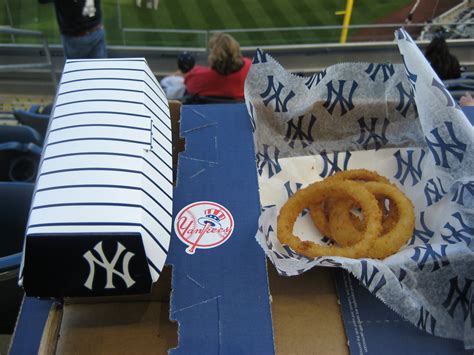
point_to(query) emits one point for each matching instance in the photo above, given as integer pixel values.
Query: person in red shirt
(225, 76)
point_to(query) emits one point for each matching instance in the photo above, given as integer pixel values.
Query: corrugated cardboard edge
(51, 330)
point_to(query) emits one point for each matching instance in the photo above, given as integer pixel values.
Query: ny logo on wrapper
(336, 96)
(330, 167)
(260, 57)
(424, 235)
(434, 191)
(264, 159)
(464, 191)
(379, 140)
(411, 76)
(462, 234)
(407, 100)
(445, 92)
(426, 321)
(369, 280)
(108, 266)
(296, 132)
(426, 255)
(315, 78)
(387, 71)
(458, 296)
(275, 93)
(406, 167)
(440, 148)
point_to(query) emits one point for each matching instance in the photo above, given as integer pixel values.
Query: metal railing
(47, 65)
(306, 32)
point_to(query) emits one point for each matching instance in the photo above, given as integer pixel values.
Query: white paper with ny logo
(104, 183)
(400, 121)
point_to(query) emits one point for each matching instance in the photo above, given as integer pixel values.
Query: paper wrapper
(400, 121)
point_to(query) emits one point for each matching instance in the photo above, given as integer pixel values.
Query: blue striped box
(100, 220)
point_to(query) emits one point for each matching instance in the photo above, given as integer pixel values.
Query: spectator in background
(225, 76)
(466, 100)
(173, 85)
(80, 24)
(443, 63)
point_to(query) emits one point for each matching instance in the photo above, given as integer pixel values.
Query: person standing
(80, 24)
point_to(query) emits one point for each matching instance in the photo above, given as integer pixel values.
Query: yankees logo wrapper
(101, 216)
(400, 121)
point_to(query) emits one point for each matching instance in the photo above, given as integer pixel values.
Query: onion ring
(347, 229)
(319, 211)
(390, 242)
(318, 192)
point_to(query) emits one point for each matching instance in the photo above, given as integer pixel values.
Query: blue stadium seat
(15, 204)
(33, 119)
(20, 134)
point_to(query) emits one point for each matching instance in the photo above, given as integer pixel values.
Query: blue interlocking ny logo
(315, 78)
(426, 321)
(440, 148)
(273, 92)
(434, 191)
(331, 167)
(296, 132)
(336, 96)
(406, 167)
(463, 234)
(401, 276)
(426, 255)
(387, 71)
(267, 236)
(252, 118)
(369, 280)
(464, 191)
(458, 296)
(445, 92)
(264, 159)
(424, 234)
(411, 76)
(289, 191)
(407, 100)
(379, 140)
(328, 261)
(259, 57)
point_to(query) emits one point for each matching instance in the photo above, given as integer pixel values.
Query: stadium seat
(14, 210)
(19, 161)
(20, 134)
(32, 119)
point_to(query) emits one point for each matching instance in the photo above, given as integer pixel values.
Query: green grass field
(205, 15)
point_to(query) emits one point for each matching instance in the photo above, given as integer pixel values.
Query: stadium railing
(46, 64)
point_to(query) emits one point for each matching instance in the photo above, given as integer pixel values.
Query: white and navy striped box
(100, 220)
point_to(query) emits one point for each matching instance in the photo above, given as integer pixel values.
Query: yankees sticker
(203, 225)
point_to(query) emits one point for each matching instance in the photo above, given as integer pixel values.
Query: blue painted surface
(30, 326)
(220, 296)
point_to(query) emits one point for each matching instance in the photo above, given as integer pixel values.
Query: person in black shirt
(80, 24)
(443, 63)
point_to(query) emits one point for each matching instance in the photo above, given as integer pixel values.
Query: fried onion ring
(347, 229)
(315, 194)
(390, 242)
(319, 211)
